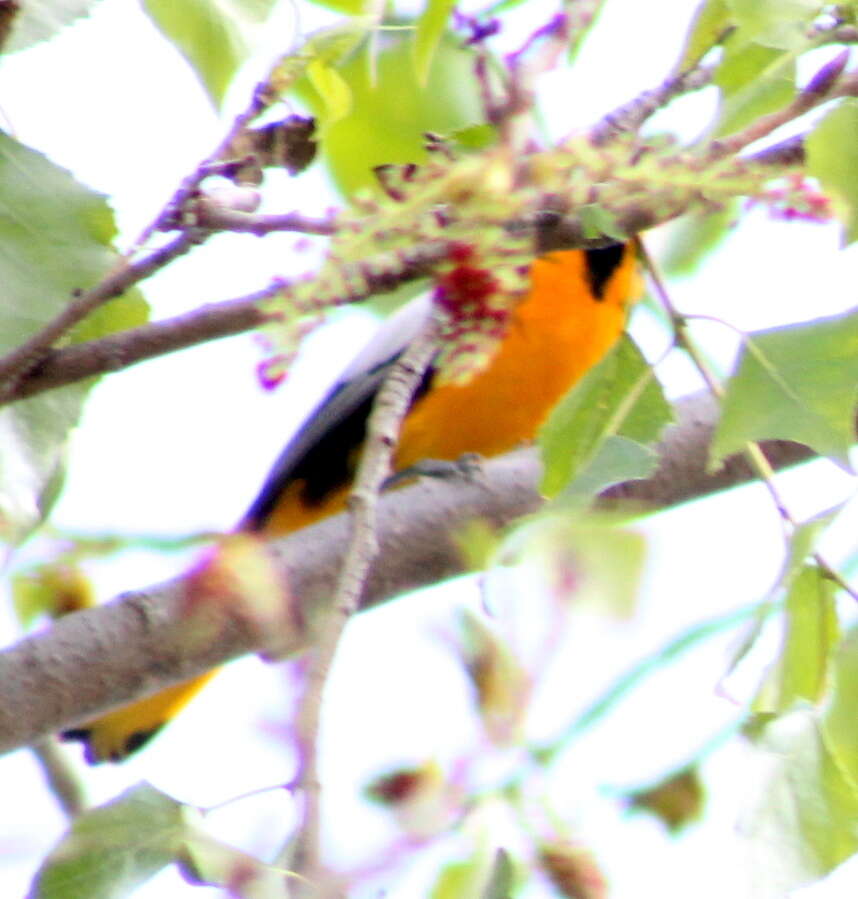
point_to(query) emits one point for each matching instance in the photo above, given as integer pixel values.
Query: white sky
(183, 443)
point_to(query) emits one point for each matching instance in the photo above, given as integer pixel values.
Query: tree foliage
(434, 140)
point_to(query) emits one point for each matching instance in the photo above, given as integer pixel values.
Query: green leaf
(782, 24)
(805, 819)
(348, 7)
(391, 110)
(474, 137)
(479, 876)
(332, 88)
(619, 396)
(794, 383)
(710, 22)
(460, 878)
(112, 849)
(617, 461)
(838, 726)
(754, 80)
(430, 29)
(832, 157)
(501, 879)
(803, 542)
(596, 221)
(55, 238)
(328, 47)
(207, 861)
(811, 631)
(214, 36)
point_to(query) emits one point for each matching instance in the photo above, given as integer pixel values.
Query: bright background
(182, 443)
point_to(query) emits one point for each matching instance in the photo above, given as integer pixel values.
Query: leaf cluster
(456, 127)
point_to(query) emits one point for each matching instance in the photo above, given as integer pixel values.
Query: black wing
(323, 453)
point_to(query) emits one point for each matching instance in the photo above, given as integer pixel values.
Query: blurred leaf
(501, 879)
(838, 723)
(327, 46)
(391, 110)
(589, 560)
(113, 849)
(573, 870)
(676, 801)
(754, 80)
(694, 237)
(430, 29)
(207, 861)
(803, 821)
(422, 799)
(596, 221)
(710, 22)
(811, 631)
(782, 24)
(832, 157)
(617, 397)
(37, 20)
(333, 90)
(474, 137)
(803, 542)
(472, 877)
(214, 36)
(478, 542)
(54, 589)
(794, 383)
(55, 238)
(501, 684)
(349, 7)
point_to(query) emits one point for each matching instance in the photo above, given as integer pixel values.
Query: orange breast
(558, 332)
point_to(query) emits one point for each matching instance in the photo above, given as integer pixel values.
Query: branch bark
(91, 661)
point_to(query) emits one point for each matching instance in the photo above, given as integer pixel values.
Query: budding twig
(389, 409)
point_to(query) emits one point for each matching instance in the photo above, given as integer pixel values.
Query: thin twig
(752, 452)
(17, 364)
(214, 217)
(383, 426)
(62, 781)
(628, 118)
(789, 152)
(167, 217)
(827, 84)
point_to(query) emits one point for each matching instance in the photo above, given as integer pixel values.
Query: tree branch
(70, 364)
(16, 365)
(383, 427)
(212, 215)
(108, 354)
(91, 661)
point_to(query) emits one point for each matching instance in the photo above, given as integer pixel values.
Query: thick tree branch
(70, 364)
(107, 354)
(93, 660)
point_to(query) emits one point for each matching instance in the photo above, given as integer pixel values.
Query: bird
(574, 310)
